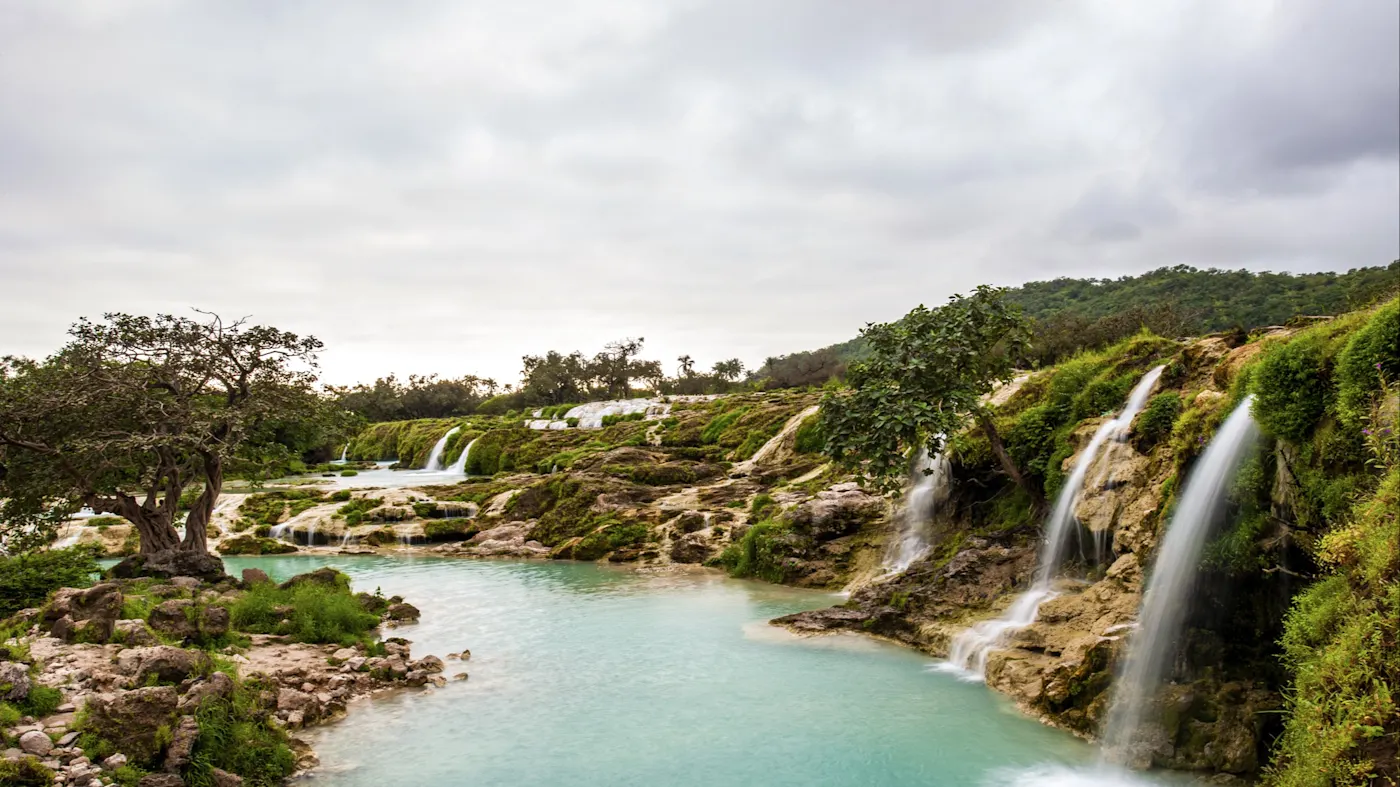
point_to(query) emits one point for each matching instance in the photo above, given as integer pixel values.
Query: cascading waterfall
(969, 650)
(460, 466)
(345, 454)
(1165, 598)
(435, 457)
(928, 489)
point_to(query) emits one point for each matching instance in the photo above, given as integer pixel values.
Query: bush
(809, 438)
(1290, 388)
(1369, 358)
(308, 612)
(27, 580)
(25, 772)
(349, 473)
(42, 701)
(1155, 423)
(235, 736)
(759, 554)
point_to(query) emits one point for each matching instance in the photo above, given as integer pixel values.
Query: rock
(36, 743)
(216, 685)
(173, 618)
(225, 779)
(171, 563)
(429, 664)
(67, 740)
(181, 748)
(403, 612)
(14, 681)
(114, 762)
(343, 655)
(162, 663)
(130, 719)
(460, 676)
(293, 700)
(214, 621)
(185, 583)
(252, 576)
(839, 511)
(86, 615)
(690, 548)
(161, 780)
(134, 633)
(321, 576)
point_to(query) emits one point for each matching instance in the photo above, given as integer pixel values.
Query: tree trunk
(1007, 463)
(154, 527)
(197, 523)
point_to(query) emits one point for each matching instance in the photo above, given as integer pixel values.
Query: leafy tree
(617, 366)
(729, 370)
(555, 378)
(422, 397)
(135, 410)
(924, 375)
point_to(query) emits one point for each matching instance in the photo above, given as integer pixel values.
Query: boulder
(181, 748)
(216, 685)
(130, 719)
(162, 663)
(161, 780)
(252, 576)
(114, 762)
(86, 614)
(171, 563)
(214, 621)
(839, 511)
(175, 618)
(403, 612)
(429, 664)
(14, 681)
(223, 778)
(690, 548)
(321, 576)
(134, 633)
(36, 743)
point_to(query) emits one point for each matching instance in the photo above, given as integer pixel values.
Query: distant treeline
(1071, 315)
(555, 378)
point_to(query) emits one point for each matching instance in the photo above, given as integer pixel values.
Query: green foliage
(759, 554)
(450, 529)
(923, 373)
(761, 503)
(809, 438)
(721, 422)
(1371, 357)
(354, 511)
(609, 420)
(25, 772)
(1342, 641)
(308, 612)
(27, 580)
(254, 545)
(1155, 422)
(276, 506)
(609, 537)
(1290, 385)
(236, 735)
(42, 701)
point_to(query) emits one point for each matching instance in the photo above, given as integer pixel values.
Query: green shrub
(609, 420)
(42, 701)
(318, 613)
(710, 434)
(809, 438)
(25, 772)
(1155, 423)
(1290, 386)
(235, 735)
(27, 580)
(354, 511)
(349, 473)
(340, 496)
(759, 554)
(1371, 356)
(761, 503)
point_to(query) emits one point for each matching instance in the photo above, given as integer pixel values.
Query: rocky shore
(124, 698)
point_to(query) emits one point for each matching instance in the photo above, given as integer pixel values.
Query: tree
(555, 378)
(729, 370)
(687, 367)
(135, 410)
(616, 367)
(924, 376)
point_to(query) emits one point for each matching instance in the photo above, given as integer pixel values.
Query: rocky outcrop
(85, 615)
(171, 563)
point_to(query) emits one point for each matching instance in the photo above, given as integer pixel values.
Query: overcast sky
(445, 186)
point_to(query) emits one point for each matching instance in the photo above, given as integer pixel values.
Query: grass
(235, 736)
(307, 612)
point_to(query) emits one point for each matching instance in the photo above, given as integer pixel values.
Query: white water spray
(345, 454)
(1166, 597)
(435, 457)
(969, 650)
(460, 466)
(928, 489)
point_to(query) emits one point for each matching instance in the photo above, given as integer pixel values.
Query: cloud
(443, 187)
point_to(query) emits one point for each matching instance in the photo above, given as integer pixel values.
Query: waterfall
(1166, 596)
(345, 454)
(968, 651)
(928, 489)
(460, 466)
(435, 458)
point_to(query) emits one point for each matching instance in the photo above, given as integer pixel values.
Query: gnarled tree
(924, 376)
(134, 411)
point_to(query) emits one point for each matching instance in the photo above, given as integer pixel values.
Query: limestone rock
(163, 663)
(181, 748)
(130, 719)
(691, 548)
(36, 743)
(161, 780)
(114, 762)
(839, 511)
(252, 576)
(171, 563)
(174, 618)
(216, 685)
(134, 632)
(87, 614)
(14, 681)
(403, 611)
(225, 779)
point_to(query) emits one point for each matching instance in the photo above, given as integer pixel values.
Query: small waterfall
(278, 531)
(1166, 596)
(345, 454)
(969, 649)
(435, 457)
(460, 466)
(928, 489)
(346, 539)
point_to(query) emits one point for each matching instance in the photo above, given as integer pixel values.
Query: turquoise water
(591, 675)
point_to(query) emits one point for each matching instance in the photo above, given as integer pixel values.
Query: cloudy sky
(444, 186)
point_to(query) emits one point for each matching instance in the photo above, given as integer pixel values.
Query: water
(968, 652)
(928, 490)
(344, 455)
(590, 415)
(435, 456)
(459, 467)
(1167, 595)
(593, 675)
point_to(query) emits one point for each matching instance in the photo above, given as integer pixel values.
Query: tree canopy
(135, 410)
(923, 377)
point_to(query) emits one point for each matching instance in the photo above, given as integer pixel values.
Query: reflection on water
(591, 675)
